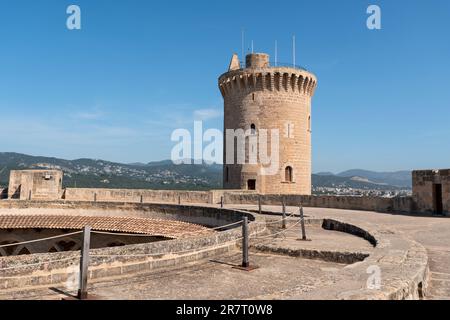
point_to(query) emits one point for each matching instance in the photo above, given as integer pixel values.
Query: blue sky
(137, 70)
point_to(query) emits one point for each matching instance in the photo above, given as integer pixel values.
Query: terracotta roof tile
(153, 227)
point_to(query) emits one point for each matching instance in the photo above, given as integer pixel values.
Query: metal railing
(273, 64)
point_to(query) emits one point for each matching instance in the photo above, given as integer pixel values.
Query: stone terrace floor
(430, 231)
(278, 278)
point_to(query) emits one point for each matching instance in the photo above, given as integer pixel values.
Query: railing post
(245, 262)
(142, 198)
(84, 263)
(302, 222)
(259, 204)
(179, 200)
(95, 197)
(283, 204)
(221, 202)
(29, 195)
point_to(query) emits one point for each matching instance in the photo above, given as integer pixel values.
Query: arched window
(309, 123)
(253, 128)
(288, 174)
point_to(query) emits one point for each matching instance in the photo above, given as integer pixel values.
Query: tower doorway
(438, 204)
(251, 184)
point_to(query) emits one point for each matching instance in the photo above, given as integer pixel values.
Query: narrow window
(253, 97)
(227, 174)
(288, 174)
(289, 130)
(309, 123)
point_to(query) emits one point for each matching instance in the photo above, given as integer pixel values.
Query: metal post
(142, 198)
(29, 195)
(221, 202)
(302, 222)
(283, 204)
(84, 263)
(245, 262)
(179, 199)
(259, 204)
(95, 197)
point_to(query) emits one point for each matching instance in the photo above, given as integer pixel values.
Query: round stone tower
(262, 100)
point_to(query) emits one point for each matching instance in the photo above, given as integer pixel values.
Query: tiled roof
(153, 227)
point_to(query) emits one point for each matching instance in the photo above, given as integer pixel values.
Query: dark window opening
(253, 128)
(251, 184)
(437, 199)
(227, 174)
(420, 291)
(288, 174)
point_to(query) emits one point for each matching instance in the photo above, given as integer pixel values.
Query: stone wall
(424, 193)
(15, 178)
(401, 204)
(136, 195)
(35, 184)
(213, 197)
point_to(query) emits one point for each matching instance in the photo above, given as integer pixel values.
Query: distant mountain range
(90, 173)
(402, 179)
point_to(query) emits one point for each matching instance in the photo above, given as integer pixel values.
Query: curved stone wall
(56, 268)
(202, 215)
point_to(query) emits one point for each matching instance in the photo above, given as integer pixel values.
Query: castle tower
(261, 97)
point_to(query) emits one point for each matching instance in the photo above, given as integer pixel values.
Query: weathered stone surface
(35, 184)
(424, 193)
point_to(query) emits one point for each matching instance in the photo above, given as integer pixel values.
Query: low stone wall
(400, 204)
(403, 264)
(137, 195)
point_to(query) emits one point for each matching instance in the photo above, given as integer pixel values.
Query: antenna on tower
(242, 43)
(252, 46)
(276, 53)
(293, 49)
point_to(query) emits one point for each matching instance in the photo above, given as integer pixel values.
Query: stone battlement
(263, 77)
